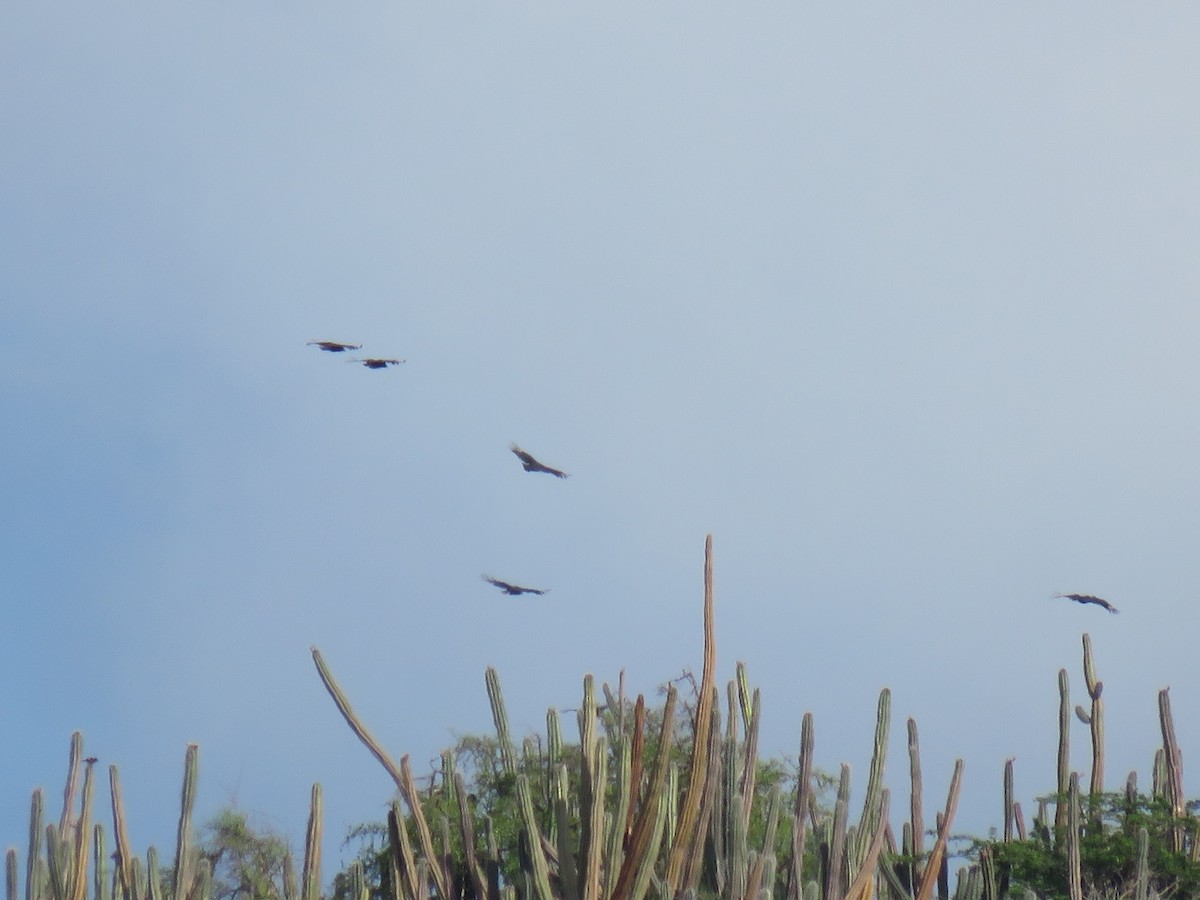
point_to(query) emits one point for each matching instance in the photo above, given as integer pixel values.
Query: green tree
(248, 863)
(1108, 852)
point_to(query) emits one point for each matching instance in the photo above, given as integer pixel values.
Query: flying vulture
(92, 760)
(379, 363)
(1088, 598)
(532, 465)
(333, 346)
(513, 590)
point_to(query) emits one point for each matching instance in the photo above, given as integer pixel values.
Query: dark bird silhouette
(513, 590)
(1088, 598)
(92, 760)
(333, 346)
(532, 465)
(379, 363)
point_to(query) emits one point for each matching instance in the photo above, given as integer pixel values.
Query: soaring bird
(513, 590)
(379, 363)
(1088, 598)
(532, 465)
(333, 346)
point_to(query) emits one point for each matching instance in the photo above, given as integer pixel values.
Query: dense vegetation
(666, 801)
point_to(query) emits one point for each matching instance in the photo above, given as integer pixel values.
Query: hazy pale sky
(899, 303)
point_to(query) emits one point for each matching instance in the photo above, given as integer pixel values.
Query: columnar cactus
(183, 839)
(1095, 689)
(871, 802)
(1064, 746)
(311, 876)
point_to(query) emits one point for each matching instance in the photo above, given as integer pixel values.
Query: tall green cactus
(837, 837)
(1095, 689)
(651, 818)
(183, 839)
(153, 875)
(408, 788)
(1142, 876)
(737, 865)
(1172, 766)
(74, 758)
(466, 825)
(311, 873)
(1074, 865)
(746, 703)
(403, 862)
(1009, 802)
(33, 871)
(935, 869)
(749, 775)
(500, 717)
(540, 871)
(100, 882)
(871, 802)
(596, 764)
(800, 811)
(1064, 747)
(916, 815)
(862, 885)
(615, 839)
(591, 788)
(760, 877)
(684, 834)
(125, 868)
(707, 849)
(355, 723)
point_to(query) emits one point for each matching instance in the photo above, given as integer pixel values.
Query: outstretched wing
(524, 457)
(514, 590)
(333, 346)
(532, 465)
(1088, 598)
(373, 363)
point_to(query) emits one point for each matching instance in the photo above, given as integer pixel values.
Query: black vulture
(532, 465)
(513, 590)
(1088, 598)
(379, 363)
(333, 346)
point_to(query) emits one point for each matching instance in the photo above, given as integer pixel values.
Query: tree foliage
(1108, 852)
(248, 863)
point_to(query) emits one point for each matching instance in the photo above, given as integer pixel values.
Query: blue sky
(899, 304)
